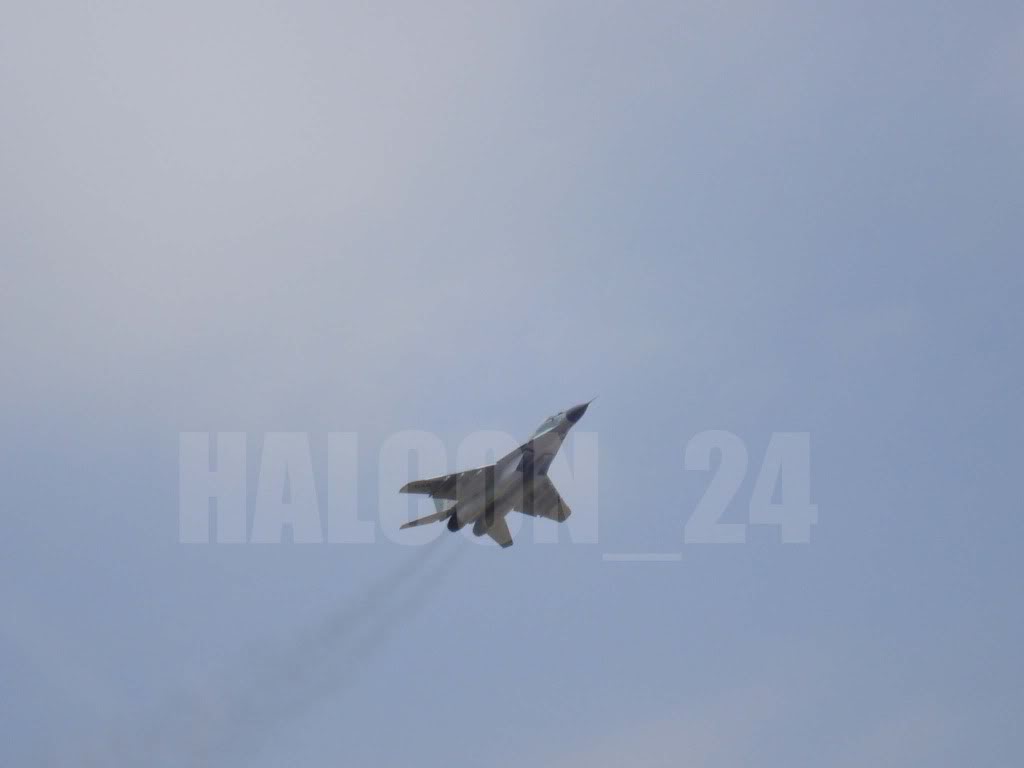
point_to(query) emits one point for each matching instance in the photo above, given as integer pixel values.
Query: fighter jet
(518, 482)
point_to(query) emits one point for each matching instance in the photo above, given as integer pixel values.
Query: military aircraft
(518, 482)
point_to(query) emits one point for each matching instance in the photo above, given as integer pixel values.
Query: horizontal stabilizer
(437, 517)
(500, 533)
(541, 499)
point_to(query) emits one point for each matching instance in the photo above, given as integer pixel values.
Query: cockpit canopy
(549, 424)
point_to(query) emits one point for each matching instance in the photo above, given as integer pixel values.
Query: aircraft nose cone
(576, 413)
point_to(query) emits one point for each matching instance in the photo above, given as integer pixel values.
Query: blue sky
(326, 217)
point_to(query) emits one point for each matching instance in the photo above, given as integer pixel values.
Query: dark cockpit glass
(548, 424)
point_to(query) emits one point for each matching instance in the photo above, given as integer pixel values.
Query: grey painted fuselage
(517, 481)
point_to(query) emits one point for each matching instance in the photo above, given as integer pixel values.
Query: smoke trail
(374, 635)
(328, 659)
(231, 718)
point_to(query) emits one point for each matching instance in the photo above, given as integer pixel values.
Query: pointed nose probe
(575, 413)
